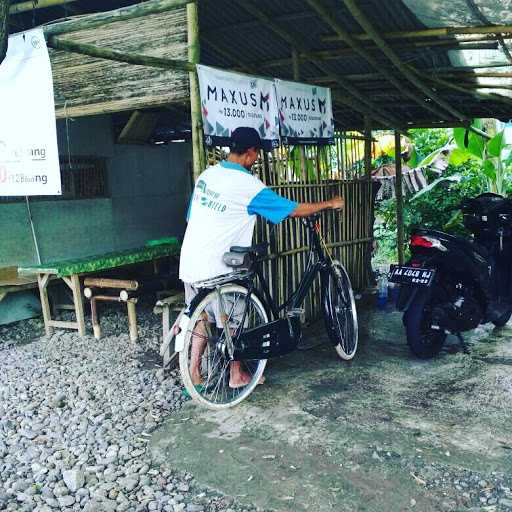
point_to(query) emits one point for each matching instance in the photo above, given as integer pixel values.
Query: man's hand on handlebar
(337, 203)
(307, 209)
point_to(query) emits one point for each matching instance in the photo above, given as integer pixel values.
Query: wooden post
(296, 76)
(399, 200)
(132, 319)
(4, 28)
(96, 328)
(371, 215)
(199, 157)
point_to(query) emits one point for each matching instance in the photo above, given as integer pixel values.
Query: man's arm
(307, 209)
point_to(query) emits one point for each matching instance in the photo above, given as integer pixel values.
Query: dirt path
(385, 432)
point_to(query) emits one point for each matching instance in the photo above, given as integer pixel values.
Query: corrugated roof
(232, 36)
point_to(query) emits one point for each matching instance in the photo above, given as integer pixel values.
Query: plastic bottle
(382, 290)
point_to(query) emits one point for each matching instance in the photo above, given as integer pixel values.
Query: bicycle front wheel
(340, 314)
(209, 375)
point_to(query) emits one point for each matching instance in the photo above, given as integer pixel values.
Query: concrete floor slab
(384, 432)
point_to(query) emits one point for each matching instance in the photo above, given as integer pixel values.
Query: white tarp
(230, 100)
(29, 157)
(305, 113)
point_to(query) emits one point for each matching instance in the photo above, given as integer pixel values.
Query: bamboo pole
(460, 88)
(199, 163)
(296, 43)
(444, 72)
(430, 32)
(336, 53)
(122, 14)
(326, 16)
(399, 200)
(367, 26)
(33, 5)
(105, 53)
(4, 28)
(478, 13)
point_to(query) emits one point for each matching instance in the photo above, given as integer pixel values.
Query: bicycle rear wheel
(340, 314)
(205, 365)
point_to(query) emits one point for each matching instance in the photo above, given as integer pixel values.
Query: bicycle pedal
(297, 313)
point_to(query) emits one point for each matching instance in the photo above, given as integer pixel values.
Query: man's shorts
(232, 311)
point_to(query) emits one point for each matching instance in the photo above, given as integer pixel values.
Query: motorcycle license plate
(412, 276)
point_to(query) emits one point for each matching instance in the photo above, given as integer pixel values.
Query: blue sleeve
(272, 206)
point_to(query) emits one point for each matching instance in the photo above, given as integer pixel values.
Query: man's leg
(199, 339)
(199, 342)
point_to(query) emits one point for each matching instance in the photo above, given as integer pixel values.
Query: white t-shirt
(222, 214)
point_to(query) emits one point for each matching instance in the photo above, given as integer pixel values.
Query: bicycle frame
(296, 298)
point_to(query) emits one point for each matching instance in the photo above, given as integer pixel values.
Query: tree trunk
(4, 27)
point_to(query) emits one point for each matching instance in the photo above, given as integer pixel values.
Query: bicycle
(231, 319)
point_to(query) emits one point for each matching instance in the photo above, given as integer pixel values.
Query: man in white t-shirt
(222, 214)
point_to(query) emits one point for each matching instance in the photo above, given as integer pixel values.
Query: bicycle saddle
(258, 249)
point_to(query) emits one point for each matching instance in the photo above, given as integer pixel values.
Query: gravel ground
(75, 418)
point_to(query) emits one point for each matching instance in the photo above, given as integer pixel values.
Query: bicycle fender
(180, 337)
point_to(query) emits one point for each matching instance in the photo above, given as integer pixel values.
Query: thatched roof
(376, 55)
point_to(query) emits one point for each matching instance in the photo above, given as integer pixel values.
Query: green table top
(107, 261)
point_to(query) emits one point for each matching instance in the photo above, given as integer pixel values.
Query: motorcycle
(452, 284)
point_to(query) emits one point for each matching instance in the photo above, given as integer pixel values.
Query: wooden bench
(70, 271)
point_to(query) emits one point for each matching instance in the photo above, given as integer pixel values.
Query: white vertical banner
(230, 100)
(305, 113)
(29, 156)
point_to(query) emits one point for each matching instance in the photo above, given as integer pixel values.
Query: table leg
(79, 306)
(42, 281)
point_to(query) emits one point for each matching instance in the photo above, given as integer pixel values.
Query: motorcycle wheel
(423, 341)
(503, 320)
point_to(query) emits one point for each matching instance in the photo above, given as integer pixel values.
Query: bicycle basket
(270, 340)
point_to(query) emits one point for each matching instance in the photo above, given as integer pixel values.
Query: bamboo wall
(316, 175)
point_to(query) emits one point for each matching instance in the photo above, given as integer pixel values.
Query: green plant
(487, 151)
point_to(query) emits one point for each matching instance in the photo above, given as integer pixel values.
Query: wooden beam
(33, 5)
(373, 111)
(326, 16)
(367, 26)
(460, 88)
(138, 130)
(194, 54)
(399, 200)
(430, 32)
(4, 28)
(104, 53)
(122, 14)
(478, 13)
(338, 53)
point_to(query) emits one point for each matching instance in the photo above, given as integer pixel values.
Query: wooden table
(70, 271)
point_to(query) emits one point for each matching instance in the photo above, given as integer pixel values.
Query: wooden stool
(175, 302)
(125, 286)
